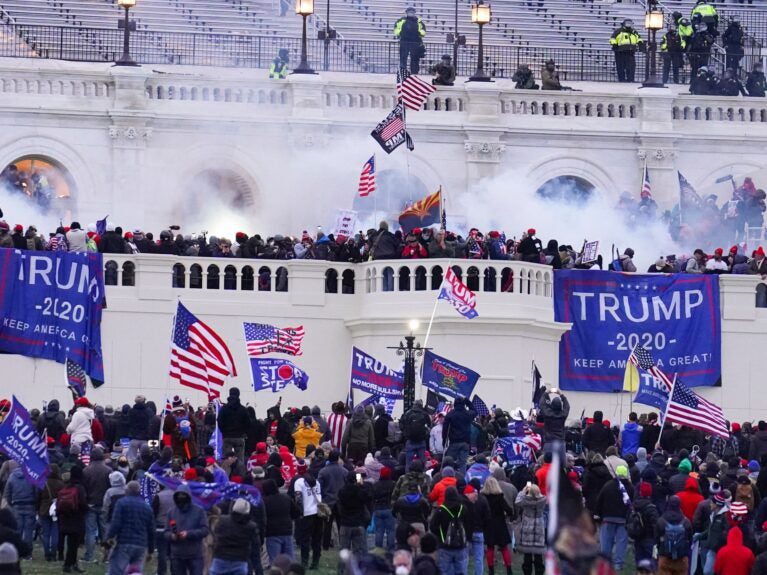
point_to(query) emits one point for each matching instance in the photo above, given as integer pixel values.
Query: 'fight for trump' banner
(446, 377)
(51, 304)
(675, 316)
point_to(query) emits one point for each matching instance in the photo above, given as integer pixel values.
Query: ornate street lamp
(409, 350)
(480, 15)
(127, 27)
(304, 8)
(653, 21)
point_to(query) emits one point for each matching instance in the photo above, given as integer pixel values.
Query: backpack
(635, 526)
(393, 432)
(417, 426)
(675, 543)
(455, 536)
(68, 500)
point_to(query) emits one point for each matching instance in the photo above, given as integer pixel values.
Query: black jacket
(52, 421)
(352, 505)
(415, 424)
(385, 246)
(382, 490)
(281, 511)
(554, 420)
(598, 437)
(610, 500)
(441, 521)
(233, 420)
(755, 84)
(594, 479)
(649, 437)
(111, 243)
(236, 536)
(457, 425)
(138, 421)
(412, 508)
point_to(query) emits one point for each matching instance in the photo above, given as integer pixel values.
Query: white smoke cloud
(19, 209)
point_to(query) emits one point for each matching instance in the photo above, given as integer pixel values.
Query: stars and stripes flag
(688, 408)
(85, 452)
(480, 406)
(262, 338)
(76, 378)
(200, 359)
(641, 357)
(688, 197)
(368, 178)
(412, 91)
(646, 187)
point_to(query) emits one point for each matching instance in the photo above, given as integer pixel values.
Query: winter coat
(74, 523)
(48, 493)
(412, 508)
(235, 538)
(359, 433)
(332, 478)
(233, 419)
(96, 481)
(415, 425)
(530, 531)
(758, 445)
(193, 520)
(411, 477)
(598, 437)
(382, 490)
(496, 529)
(353, 505)
(112, 495)
(280, 511)
(18, 491)
(457, 425)
(385, 246)
(138, 421)
(734, 558)
(650, 516)
(52, 421)
(437, 495)
(594, 478)
(690, 497)
(132, 523)
(673, 517)
(442, 517)
(79, 428)
(610, 505)
(479, 470)
(553, 420)
(630, 438)
(305, 436)
(183, 443)
(76, 240)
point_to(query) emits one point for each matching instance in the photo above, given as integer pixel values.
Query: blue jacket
(630, 438)
(132, 523)
(478, 470)
(194, 521)
(457, 425)
(18, 491)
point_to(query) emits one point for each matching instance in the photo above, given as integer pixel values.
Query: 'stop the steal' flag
(51, 304)
(446, 377)
(276, 374)
(20, 441)
(373, 376)
(455, 292)
(390, 133)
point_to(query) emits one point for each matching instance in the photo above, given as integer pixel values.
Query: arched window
(247, 281)
(179, 276)
(41, 181)
(436, 277)
(404, 279)
(110, 273)
(264, 279)
(420, 278)
(195, 276)
(331, 281)
(129, 274)
(347, 282)
(472, 278)
(213, 277)
(230, 278)
(507, 280)
(566, 189)
(282, 279)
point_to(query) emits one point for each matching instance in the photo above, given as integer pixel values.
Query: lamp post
(480, 15)
(304, 8)
(409, 350)
(128, 27)
(653, 21)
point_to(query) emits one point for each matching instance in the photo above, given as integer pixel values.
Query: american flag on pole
(199, 357)
(368, 178)
(412, 91)
(646, 187)
(688, 408)
(641, 357)
(76, 378)
(261, 338)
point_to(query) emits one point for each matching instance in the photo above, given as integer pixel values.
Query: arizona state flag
(424, 212)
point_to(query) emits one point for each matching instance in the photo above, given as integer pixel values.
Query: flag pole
(665, 411)
(434, 309)
(167, 377)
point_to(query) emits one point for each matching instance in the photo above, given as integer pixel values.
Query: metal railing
(344, 55)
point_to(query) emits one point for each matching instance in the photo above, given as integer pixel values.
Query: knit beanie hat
(241, 506)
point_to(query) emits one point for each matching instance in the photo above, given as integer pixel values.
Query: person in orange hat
(716, 264)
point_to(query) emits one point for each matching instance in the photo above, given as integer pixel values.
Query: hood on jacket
(673, 512)
(691, 485)
(641, 454)
(658, 459)
(359, 418)
(116, 479)
(735, 537)
(274, 459)
(53, 406)
(631, 426)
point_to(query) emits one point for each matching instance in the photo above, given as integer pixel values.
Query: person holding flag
(181, 428)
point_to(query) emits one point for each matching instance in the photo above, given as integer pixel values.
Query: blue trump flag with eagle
(446, 377)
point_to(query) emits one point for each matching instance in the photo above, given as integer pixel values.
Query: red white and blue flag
(200, 359)
(455, 292)
(646, 187)
(76, 378)
(261, 338)
(368, 178)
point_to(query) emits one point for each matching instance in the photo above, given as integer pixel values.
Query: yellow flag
(631, 378)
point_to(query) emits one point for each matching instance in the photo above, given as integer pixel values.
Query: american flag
(642, 358)
(687, 194)
(199, 357)
(689, 408)
(85, 452)
(261, 338)
(412, 90)
(368, 177)
(76, 378)
(393, 128)
(480, 406)
(646, 187)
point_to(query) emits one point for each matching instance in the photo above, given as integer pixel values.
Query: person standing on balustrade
(625, 41)
(410, 30)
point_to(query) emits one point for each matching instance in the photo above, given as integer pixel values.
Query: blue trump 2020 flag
(276, 374)
(373, 376)
(652, 391)
(674, 316)
(447, 377)
(51, 304)
(20, 441)
(206, 495)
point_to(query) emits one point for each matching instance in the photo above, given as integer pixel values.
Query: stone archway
(42, 181)
(566, 189)
(395, 189)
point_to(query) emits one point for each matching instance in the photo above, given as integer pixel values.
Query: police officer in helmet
(625, 42)
(410, 30)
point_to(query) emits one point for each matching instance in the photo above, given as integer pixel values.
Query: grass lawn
(328, 565)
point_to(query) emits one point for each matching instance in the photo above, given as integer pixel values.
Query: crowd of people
(431, 492)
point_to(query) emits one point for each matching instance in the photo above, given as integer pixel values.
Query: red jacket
(414, 251)
(540, 477)
(690, 497)
(734, 558)
(438, 493)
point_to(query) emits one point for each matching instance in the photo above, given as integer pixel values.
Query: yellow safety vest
(705, 11)
(625, 38)
(278, 70)
(664, 43)
(399, 23)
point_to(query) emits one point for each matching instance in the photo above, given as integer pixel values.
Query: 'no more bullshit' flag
(371, 375)
(446, 377)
